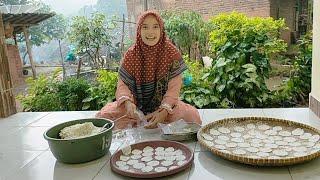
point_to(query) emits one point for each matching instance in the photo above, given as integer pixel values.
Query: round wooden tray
(249, 158)
(154, 144)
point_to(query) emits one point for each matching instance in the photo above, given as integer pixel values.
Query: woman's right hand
(130, 109)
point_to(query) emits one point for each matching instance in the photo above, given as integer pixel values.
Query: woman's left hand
(159, 116)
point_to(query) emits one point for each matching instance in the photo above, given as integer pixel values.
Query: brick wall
(15, 65)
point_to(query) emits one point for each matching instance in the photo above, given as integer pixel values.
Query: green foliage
(41, 94)
(71, 93)
(187, 29)
(296, 90)
(89, 35)
(103, 92)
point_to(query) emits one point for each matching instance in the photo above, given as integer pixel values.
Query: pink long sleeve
(123, 93)
(171, 97)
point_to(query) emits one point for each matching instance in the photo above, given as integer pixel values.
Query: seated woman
(150, 80)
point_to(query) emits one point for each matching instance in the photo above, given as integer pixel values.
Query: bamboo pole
(28, 44)
(7, 100)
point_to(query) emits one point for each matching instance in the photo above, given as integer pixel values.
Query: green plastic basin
(83, 149)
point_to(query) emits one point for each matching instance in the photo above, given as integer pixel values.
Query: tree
(13, 2)
(90, 35)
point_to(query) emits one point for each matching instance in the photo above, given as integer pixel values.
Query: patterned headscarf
(146, 70)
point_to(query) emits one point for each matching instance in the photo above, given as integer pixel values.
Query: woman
(150, 80)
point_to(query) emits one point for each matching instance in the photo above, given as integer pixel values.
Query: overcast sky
(68, 7)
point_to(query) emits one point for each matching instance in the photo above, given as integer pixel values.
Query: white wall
(315, 89)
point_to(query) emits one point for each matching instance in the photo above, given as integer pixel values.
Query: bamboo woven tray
(261, 141)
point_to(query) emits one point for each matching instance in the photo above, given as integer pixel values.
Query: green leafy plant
(103, 91)
(41, 94)
(71, 92)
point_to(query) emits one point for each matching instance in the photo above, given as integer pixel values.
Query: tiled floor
(24, 154)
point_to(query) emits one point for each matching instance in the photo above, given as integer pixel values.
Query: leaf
(221, 87)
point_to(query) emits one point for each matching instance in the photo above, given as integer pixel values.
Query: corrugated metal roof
(22, 15)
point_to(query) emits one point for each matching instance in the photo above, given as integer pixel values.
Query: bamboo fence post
(7, 100)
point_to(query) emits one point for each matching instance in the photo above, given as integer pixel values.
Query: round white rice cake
(124, 158)
(160, 153)
(239, 129)
(223, 130)
(178, 152)
(159, 149)
(295, 144)
(166, 163)
(126, 150)
(147, 159)
(298, 132)
(263, 154)
(218, 146)
(237, 140)
(132, 161)
(207, 137)
(147, 169)
(173, 167)
(289, 139)
(267, 141)
(153, 163)
(272, 146)
(169, 149)
(265, 150)
(305, 136)
(299, 154)
(147, 154)
(224, 138)
(226, 151)
(239, 151)
(148, 149)
(277, 138)
(271, 132)
(170, 158)
(244, 145)
(277, 128)
(214, 132)
(138, 165)
(218, 141)
(121, 163)
(309, 144)
(136, 152)
(179, 163)
(261, 136)
(252, 132)
(246, 136)
(281, 143)
(235, 135)
(285, 133)
(231, 145)
(256, 145)
(274, 157)
(138, 156)
(252, 149)
(209, 143)
(280, 152)
(169, 154)
(256, 141)
(180, 157)
(314, 138)
(159, 158)
(263, 127)
(317, 146)
(125, 167)
(160, 169)
(251, 126)
(300, 149)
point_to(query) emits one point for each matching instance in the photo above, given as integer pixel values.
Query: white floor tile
(13, 160)
(22, 118)
(55, 118)
(306, 171)
(45, 167)
(209, 166)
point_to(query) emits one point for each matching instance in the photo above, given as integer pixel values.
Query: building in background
(297, 13)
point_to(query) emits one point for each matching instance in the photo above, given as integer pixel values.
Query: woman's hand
(159, 116)
(130, 109)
